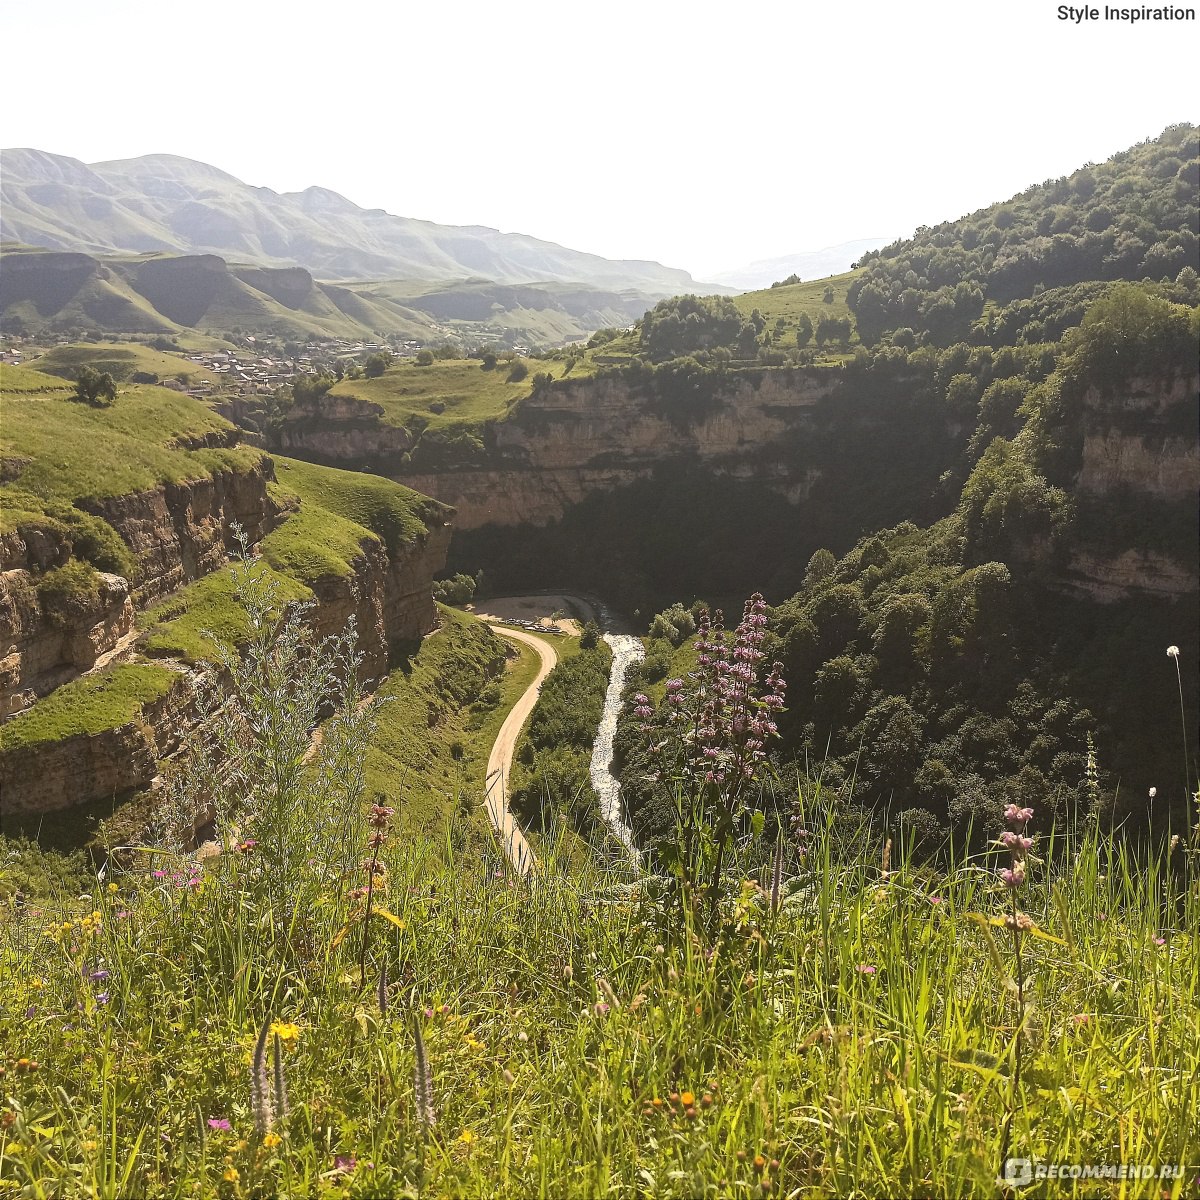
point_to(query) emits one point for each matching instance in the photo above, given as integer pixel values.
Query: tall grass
(849, 1030)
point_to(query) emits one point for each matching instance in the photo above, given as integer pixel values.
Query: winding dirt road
(500, 760)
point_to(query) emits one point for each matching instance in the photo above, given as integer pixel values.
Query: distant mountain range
(129, 295)
(808, 264)
(173, 205)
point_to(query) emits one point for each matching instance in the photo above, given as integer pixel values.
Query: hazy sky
(701, 135)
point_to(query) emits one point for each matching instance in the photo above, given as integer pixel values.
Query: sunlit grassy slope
(447, 393)
(120, 359)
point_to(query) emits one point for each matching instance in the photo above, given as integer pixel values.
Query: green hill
(1131, 217)
(45, 290)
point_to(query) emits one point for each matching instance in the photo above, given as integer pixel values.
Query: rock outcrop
(579, 437)
(1141, 453)
(91, 767)
(176, 533)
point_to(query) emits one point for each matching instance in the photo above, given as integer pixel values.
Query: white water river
(625, 651)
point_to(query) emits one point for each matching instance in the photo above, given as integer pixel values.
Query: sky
(700, 135)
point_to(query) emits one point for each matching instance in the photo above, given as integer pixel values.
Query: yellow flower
(231, 1174)
(113, 889)
(271, 1139)
(686, 1099)
(466, 1137)
(287, 1033)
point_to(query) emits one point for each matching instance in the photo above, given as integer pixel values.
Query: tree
(94, 388)
(424, 358)
(827, 295)
(376, 364)
(804, 330)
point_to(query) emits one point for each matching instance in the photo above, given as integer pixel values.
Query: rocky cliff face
(1162, 458)
(90, 768)
(1140, 452)
(577, 438)
(390, 597)
(176, 532)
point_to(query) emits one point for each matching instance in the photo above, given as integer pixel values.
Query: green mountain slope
(154, 293)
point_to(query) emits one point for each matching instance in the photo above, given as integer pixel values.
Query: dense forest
(938, 665)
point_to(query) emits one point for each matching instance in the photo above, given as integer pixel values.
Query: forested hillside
(1131, 217)
(938, 666)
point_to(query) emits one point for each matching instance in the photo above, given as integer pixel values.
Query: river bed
(626, 650)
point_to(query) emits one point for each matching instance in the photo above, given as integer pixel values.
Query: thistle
(777, 875)
(260, 1087)
(423, 1083)
(280, 1106)
(382, 994)
(268, 1090)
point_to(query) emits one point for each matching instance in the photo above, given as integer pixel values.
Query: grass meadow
(342, 1003)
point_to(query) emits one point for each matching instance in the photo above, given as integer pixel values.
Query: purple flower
(219, 1123)
(1013, 877)
(102, 998)
(159, 874)
(601, 1008)
(345, 1163)
(1016, 815)
(100, 974)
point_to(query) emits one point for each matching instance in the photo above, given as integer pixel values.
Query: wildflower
(272, 1140)
(1158, 941)
(865, 969)
(422, 1082)
(159, 874)
(1153, 792)
(345, 1163)
(113, 889)
(100, 974)
(759, 1162)
(607, 989)
(601, 1008)
(286, 1032)
(1013, 877)
(466, 1137)
(221, 1124)
(707, 1100)
(102, 998)
(1017, 815)
(687, 1099)
(231, 1175)
(934, 899)
(522, 1036)
(1172, 651)
(247, 846)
